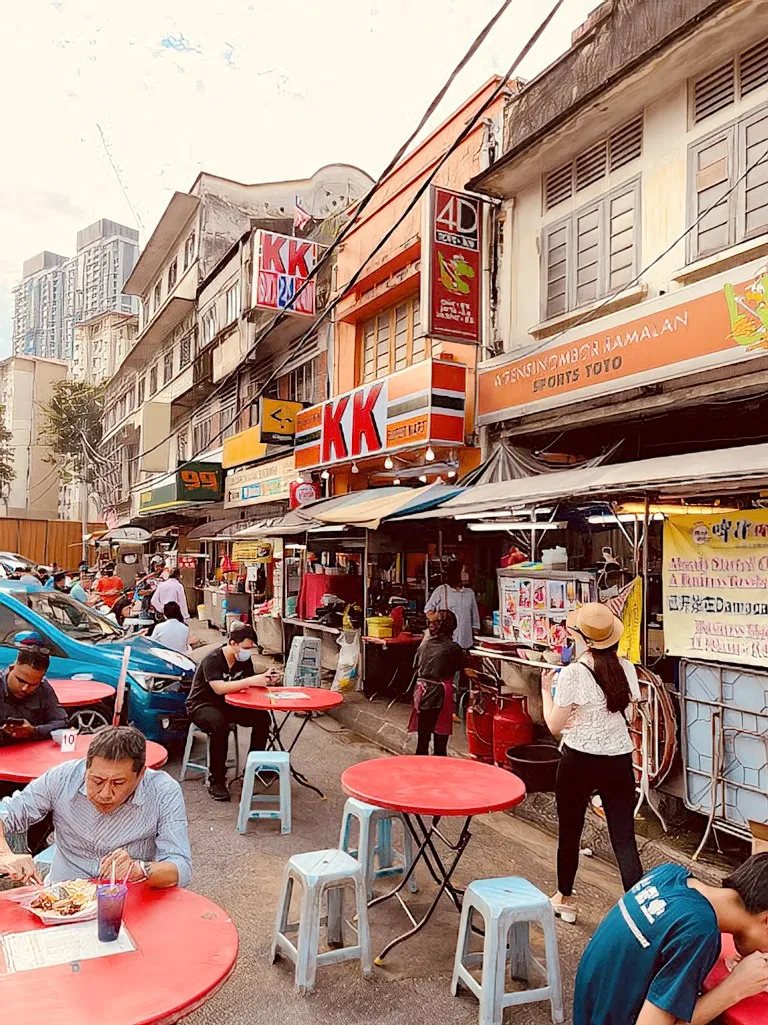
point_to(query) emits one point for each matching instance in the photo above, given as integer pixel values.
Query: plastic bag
(347, 672)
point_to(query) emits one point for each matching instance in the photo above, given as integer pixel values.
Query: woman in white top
(171, 589)
(591, 708)
(461, 601)
(173, 632)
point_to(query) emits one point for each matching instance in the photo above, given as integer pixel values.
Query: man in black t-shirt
(225, 671)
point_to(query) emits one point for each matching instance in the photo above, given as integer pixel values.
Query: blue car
(83, 641)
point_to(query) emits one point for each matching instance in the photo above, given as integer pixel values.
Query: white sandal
(569, 913)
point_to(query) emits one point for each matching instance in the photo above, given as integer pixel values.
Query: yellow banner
(716, 587)
(632, 618)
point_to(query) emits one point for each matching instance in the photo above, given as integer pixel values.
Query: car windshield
(71, 616)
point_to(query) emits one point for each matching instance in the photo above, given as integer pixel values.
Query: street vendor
(438, 660)
(648, 960)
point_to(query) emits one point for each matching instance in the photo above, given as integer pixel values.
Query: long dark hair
(611, 678)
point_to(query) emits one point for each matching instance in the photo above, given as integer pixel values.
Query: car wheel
(86, 720)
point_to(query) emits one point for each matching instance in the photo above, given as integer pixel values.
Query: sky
(254, 90)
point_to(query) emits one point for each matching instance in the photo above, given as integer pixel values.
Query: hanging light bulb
(396, 481)
(325, 475)
(354, 468)
(388, 464)
(423, 478)
(451, 473)
(429, 455)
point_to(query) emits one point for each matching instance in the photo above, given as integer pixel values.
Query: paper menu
(534, 609)
(61, 944)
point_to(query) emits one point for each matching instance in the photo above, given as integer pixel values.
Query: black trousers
(426, 731)
(216, 721)
(579, 775)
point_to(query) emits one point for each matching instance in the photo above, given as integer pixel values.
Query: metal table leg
(275, 743)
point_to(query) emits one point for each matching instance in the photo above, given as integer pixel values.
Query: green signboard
(195, 482)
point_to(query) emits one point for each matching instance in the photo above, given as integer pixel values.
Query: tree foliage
(71, 427)
(7, 472)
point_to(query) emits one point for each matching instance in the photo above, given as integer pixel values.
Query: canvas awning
(679, 476)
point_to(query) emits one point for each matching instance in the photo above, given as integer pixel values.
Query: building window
(233, 302)
(209, 325)
(145, 314)
(591, 253)
(173, 273)
(182, 440)
(167, 366)
(185, 352)
(189, 250)
(153, 380)
(724, 86)
(157, 296)
(140, 389)
(201, 435)
(732, 212)
(614, 151)
(392, 341)
(299, 384)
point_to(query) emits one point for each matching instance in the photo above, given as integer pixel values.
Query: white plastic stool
(195, 733)
(321, 873)
(375, 842)
(507, 906)
(273, 761)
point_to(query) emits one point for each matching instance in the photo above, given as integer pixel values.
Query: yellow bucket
(379, 626)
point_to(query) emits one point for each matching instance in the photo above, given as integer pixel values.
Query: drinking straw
(112, 880)
(125, 880)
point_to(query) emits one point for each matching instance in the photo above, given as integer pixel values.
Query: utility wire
(119, 177)
(468, 128)
(363, 203)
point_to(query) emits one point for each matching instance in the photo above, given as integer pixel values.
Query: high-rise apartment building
(58, 292)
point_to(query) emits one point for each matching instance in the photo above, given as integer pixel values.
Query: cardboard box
(759, 831)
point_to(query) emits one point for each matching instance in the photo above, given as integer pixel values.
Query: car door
(16, 619)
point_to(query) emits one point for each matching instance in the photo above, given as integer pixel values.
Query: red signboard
(455, 280)
(303, 492)
(281, 266)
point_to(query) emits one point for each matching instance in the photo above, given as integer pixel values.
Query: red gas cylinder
(512, 726)
(479, 726)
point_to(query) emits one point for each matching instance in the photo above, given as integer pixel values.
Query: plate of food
(59, 903)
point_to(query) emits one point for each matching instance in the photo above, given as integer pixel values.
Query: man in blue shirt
(82, 586)
(648, 960)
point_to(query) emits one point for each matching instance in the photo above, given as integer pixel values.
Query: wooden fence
(45, 541)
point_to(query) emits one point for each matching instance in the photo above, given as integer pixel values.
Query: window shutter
(369, 354)
(557, 270)
(382, 345)
(712, 180)
(401, 337)
(626, 143)
(621, 240)
(558, 186)
(591, 165)
(714, 91)
(587, 256)
(753, 68)
(754, 150)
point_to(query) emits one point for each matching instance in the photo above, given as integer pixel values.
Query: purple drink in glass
(111, 899)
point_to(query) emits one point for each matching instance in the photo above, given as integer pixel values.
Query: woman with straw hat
(591, 708)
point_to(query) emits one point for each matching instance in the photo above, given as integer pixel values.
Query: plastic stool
(376, 821)
(320, 873)
(195, 733)
(279, 762)
(507, 906)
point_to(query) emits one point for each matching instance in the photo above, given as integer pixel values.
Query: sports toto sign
(454, 282)
(281, 266)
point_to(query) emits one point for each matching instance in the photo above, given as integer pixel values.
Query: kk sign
(454, 284)
(281, 266)
(414, 407)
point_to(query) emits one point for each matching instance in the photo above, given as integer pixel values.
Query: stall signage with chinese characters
(268, 482)
(303, 492)
(454, 285)
(716, 587)
(196, 482)
(281, 266)
(669, 339)
(418, 406)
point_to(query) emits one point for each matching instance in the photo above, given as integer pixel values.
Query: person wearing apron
(438, 660)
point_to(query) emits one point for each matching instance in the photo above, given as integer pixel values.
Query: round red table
(753, 1011)
(21, 763)
(186, 946)
(288, 700)
(421, 788)
(73, 693)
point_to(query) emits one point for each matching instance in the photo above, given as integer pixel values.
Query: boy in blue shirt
(648, 960)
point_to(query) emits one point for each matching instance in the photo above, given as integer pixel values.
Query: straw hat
(597, 625)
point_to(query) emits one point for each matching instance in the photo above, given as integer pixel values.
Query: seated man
(107, 808)
(648, 960)
(225, 671)
(29, 708)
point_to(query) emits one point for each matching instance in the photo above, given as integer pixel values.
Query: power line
(463, 134)
(119, 177)
(364, 202)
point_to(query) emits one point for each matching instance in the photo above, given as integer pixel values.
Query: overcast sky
(255, 90)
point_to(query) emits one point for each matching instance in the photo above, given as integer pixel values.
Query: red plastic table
(186, 946)
(288, 700)
(72, 693)
(21, 763)
(423, 787)
(753, 1011)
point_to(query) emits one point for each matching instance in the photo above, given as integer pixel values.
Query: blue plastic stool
(375, 842)
(507, 906)
(189, 764)
(273, 761)
(319, 874)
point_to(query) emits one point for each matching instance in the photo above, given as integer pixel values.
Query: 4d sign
(281, 268)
